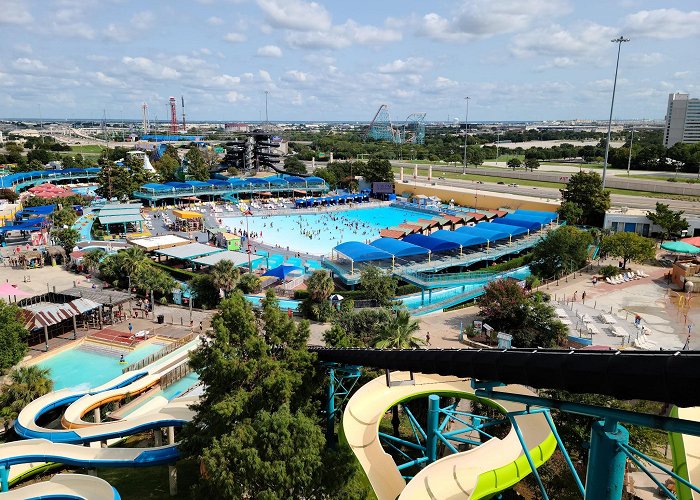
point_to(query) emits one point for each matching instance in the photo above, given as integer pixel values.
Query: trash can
(161, 319)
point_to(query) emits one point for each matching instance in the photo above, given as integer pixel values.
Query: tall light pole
(629, 158)
(267, 121)
(618, 41)
(466, 134)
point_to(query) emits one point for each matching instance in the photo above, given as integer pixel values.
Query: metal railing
(161, 353)
(177, 373)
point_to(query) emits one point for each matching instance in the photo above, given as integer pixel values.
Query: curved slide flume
(77, 431)
(478, 473)
(62, 486)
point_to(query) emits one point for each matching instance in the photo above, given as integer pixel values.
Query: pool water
(284, 304)
(77, 367)
(413, 301)
(318, 233)
(85, 190)
(175, 390)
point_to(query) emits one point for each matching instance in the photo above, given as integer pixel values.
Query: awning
(47, 314)
(361, 252)
(399, 248)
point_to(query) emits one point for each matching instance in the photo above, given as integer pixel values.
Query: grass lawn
(135, 483)
(87, 148)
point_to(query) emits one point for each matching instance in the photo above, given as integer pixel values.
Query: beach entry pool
(319, 233)
(79, 366)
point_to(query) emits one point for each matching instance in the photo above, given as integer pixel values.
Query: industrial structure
(184, 122)
(144, 118)
(411, 131)
(255, 151)
(173, 116)
(682, 120)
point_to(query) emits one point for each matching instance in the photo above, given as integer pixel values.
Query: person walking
(201, 327)
(427, 338)
(583, 297)
(131, 327)
(575, 296)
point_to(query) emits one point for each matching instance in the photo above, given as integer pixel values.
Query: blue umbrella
(282, 271)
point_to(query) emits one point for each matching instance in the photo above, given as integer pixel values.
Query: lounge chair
(608, 280)
(642, 274)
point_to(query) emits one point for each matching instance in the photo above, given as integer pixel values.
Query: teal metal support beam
(4, 478)
(330, 409)
(432, 430)
(606, 461)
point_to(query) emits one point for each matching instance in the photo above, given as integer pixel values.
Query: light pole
(498, 142)
(466, 134)
(629, 158)
(267, 121)
(618, 41)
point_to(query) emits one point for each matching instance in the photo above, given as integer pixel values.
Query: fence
(177, 373)
(160, 354)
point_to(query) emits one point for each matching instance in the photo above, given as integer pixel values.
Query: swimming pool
(284, 304)
(413, 301)
(75, 367)
(85, 190)
(318, 233)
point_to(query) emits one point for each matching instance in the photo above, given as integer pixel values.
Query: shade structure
(283, 271)
(492, 232)
(512, 220)
(546, 217)
(476, 232)
(435, 245)
(361, 252)
(462, 239)
(399, 248)
(10, 290)
(502, 227)
(695, 241)
(680, 247)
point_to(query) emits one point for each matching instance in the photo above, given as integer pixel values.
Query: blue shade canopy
(504, 228)
(399, 248)
(255, 180)
(545, 217)
(197, 183)
(511, 220)
(12, 179)
(178, 185)
(361, 252)
(217, 182)
(283, 271)
(157, 187)
(432, 244)
(491, 232)
(292, 178)
(462, 239)
(476, 232)
(315, 179)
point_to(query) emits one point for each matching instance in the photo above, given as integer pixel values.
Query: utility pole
(629, 158)
(619, 42)
(466, 134)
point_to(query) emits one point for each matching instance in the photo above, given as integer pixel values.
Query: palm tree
(320, 286)
(225, 275)
(91, 260)
(131, 259)
(28, 383)
(398, 333)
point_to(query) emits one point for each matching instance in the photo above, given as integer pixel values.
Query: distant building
(236, 127)
(682, 120)
(633, 220)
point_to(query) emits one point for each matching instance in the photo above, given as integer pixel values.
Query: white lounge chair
(608, 280)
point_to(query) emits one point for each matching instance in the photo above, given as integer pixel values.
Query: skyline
(527, 60)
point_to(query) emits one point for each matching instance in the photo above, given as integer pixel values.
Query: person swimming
(122, 361)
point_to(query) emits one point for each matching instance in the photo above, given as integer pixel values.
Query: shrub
(609, 271)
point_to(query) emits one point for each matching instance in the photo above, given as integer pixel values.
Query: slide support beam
(4, 478)
(606, 460)
(432, 429)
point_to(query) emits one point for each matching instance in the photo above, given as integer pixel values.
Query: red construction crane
(173, 116)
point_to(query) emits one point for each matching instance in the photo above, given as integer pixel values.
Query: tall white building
(682, 120)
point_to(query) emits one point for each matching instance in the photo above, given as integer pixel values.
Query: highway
(639, 202)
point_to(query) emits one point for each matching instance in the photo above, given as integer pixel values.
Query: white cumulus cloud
(270, 51)
(663, 23)
(296, 14)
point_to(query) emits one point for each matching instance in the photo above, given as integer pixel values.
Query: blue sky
(516, 59)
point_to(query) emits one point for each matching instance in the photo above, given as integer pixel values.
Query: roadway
(618, 200)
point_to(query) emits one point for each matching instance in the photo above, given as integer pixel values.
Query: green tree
(13, 335)
(167, 168)
(586, 190)
(250, 443)
(362, 326)
(9, 194)
(377, 170)
(532, 163)
(514, 163)
(320, 286)
(671, 221)
(64, 217)
(66, 238)
(206, 295)
(197, 168)
(570, 212)
(148, 278)
(378, 285)
(91, 259)
(114, 181)
(503, 305)
(628, 247)
(249, 283)
(561, 251)
(399, 332)
(475, 156)
(26, 384)
(225, 276)
(294, 165)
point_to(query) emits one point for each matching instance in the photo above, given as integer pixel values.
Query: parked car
(479, 182)
(500, 182)
(513, 184)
